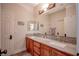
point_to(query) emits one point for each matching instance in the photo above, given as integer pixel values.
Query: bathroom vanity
(38, 46)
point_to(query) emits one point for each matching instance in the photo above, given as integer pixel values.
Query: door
(7, 26)
(27, 44)
(0, 25)
(31, 46)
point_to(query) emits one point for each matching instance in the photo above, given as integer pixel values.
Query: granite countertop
(62, 46)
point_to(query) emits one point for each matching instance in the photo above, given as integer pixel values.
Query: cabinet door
(45, 50)
(37, 48)
(37, 44)
(35, 54)
(31, 46)
(27, 44)
(57, 53)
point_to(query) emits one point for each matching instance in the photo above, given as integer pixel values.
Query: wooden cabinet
(39, 49)
(29, 45)
(55, 52)
(45, 50)
(37, 44)
(35, 54)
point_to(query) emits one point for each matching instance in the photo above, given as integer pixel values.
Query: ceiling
(30, 6)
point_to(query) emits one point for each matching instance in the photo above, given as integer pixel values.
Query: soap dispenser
(58, 37)
(65, 36)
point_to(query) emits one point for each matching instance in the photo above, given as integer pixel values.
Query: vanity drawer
(45, 50)
(35, 54)
(46, 47)
(57, 53)
(36, 44)
(37, 50)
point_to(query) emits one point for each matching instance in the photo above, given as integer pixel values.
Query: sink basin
(58, 44)
(71, 46)
(53, 42)
(47, 39)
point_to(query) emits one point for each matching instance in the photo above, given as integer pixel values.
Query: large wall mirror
(32, 26)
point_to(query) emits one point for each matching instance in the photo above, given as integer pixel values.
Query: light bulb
(45, 6)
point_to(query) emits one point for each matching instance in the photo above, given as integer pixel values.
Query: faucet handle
(65, 35)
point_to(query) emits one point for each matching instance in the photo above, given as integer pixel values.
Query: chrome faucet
(45, 35)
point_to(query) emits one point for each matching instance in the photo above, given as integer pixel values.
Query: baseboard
(18, 51)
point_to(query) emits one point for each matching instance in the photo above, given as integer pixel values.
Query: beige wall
(70, 21)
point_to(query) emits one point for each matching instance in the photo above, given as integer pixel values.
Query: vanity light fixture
(46, 7)
(51, 5)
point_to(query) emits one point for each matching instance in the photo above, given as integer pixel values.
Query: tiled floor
(24, 53)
